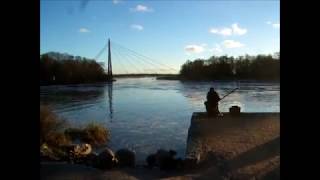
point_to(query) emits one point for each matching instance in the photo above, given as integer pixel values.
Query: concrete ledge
(230, 134)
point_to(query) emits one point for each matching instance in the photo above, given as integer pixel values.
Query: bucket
(234, 110)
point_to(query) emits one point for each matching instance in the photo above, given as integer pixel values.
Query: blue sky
(170, 32)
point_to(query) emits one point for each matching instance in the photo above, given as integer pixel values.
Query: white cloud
(276, 25)
(116, 1)
(232, 44)
(193, 48)
(203, 45)
(142, 8)
(222, 31)
(84, 30)
(137, 27)
(226, 31)
(237, 30)
(216, 49)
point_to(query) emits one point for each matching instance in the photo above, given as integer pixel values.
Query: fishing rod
(228, 93)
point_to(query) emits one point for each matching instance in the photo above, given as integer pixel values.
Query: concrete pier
(250, 142)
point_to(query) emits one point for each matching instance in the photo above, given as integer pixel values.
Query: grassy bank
(56, 134)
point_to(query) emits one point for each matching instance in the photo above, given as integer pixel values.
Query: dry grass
(94, 134)
(50, 126)
(56, 139)
(51, 131)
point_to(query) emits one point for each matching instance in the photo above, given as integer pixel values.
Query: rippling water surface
(145, 114)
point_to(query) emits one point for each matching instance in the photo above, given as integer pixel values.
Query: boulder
(126, 158)
(165, 160)
(107, 159)
(189, 163)
(82, 149)
(92, 160)
(50, 153)
(77, 152)
(47, 154)
(151, 160)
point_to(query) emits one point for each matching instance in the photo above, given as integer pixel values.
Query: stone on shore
(126, 158)
(107, 159)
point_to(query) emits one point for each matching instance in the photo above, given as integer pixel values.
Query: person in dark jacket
(212, 103)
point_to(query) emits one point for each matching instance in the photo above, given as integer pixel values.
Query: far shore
(163, 77)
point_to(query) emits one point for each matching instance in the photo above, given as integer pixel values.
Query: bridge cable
(118, 59)
(145, 57)
(125, 58)
(131, 57)
(139, 58)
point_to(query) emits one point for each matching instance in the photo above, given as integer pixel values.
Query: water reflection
(145, 114)
(251, 96)
(110, 89)
(72, 97)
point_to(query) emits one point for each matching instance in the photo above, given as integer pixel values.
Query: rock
(92, 160)
(179, 164)
(107, 159)
(168, 163)
(165, 159)
(82, 149)
(151, 160)
(189, 163)
(77, 152)
(161, 155)
(47, 154)
(126, 158)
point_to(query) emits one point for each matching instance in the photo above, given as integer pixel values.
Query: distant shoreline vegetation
(56, 68)
(260, 67)
(62, 69)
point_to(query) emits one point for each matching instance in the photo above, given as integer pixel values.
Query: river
(145, 114)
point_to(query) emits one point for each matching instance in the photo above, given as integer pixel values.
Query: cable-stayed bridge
(122, 61)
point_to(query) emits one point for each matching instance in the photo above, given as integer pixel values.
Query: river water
(145, 114)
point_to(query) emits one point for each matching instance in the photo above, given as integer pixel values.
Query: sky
(169, 32)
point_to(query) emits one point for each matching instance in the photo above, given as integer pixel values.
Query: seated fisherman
(212, 103)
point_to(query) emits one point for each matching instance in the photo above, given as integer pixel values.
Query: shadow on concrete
(256, 154)
(226, 168)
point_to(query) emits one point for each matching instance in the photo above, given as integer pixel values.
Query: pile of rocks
(165, 160)
(107, 159)
(83, 154)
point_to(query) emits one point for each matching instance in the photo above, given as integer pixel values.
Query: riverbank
(58, 171)
(180, 78)
(241, 147)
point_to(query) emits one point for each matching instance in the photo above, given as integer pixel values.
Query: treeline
(260, 67)
(73, 70)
